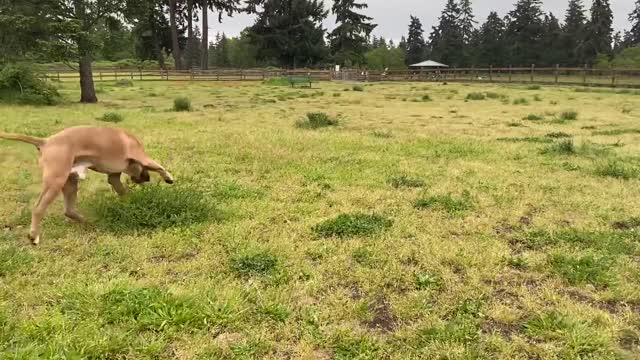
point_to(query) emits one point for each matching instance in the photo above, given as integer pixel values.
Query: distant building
(429, 64)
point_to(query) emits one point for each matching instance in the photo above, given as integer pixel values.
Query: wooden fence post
(557, 74)
(510, 72)
(58, 76)
(533, 70)
(100, 75)
(584, 74)
(613, 77)
(140, 70)
(490, 73)
(116, 74)
(191, 74)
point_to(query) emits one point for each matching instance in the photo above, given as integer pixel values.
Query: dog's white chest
(81, 169)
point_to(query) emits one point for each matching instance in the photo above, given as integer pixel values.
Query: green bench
(293, 80)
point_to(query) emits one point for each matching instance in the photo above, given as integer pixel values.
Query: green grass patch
(13, 260)
(533, 117)
(476, 96)
(579, 270)
(616, 132)
(447, 203)
(358, 88)
(617, 169)
(534, 87)
(277, 81)
(123, 83)
(558, 135)
(404, 181)
(316, 121)
(351, 225)
(153, 207)
(112, 117)
(521, 101)
(253, 263)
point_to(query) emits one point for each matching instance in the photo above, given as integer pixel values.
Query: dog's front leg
(116, 184)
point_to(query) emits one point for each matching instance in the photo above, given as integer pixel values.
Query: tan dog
(66, 156)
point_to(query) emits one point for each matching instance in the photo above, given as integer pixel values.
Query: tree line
(290, 34)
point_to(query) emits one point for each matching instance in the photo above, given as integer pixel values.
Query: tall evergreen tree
(573, 33)
(553, 49)
(466, 21)
(447, 41)
(599, 31)
(634, 33)
(348, 41)
(415, 42)
(491, 47)
(524, 33)
(290, 32)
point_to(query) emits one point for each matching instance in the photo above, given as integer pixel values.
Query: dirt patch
(383, 317)
(504, 228)
(611, 306)
(629, 339)
(507, 330)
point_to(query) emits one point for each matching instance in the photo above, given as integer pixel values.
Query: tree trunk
(190, 39)
(174, 35)
(205, 36)
(87, 89)
(155, 41)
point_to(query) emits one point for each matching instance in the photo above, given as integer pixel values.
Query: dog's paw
(35, 240)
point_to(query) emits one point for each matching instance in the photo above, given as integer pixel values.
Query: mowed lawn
(434, 221)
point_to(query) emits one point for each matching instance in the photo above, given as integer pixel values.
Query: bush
(316, 121)
(568, 116)
(153, 207)
(182, 104)
(476, 96)
(358, 88)
(349, 225)
(112, 117)
(24, 85)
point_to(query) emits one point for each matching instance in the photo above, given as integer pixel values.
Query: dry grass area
(400, 221)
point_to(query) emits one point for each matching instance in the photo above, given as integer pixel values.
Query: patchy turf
(449, 228)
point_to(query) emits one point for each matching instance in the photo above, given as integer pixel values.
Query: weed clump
(533, 117)
(182, 104)
(587, 269)
(521, 101)
(350, 225)
(475, 96)
(254, 263)
(426, 98)
(403, 181)
(153, 207)
(447, 203)
(565, 147)
(617, 169)
(558, 135)
(316, 121)
(112, 117)
(568, 116)
(358, 88)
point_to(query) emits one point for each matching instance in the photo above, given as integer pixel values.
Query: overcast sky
(392, 16)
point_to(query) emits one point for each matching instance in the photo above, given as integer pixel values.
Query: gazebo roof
(429, 63)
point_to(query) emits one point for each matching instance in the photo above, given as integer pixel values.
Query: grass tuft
(350, 225)
(404, 181)
(153, 207)
(475, 96)
(521, 101)
(588, 269)
(317, 121)
(182, 104)
(617, 169)
(558, 135)
(112, 117)
(253, 263)
(533, 117)
(358, 88)
(447, 203)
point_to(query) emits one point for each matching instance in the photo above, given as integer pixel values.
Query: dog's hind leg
(116, 184)
(52, 186)
(70, 191)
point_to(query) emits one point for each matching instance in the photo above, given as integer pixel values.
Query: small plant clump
(533, 117)
(350, 225)
(404, 181)
(254, 263)
(558, 135)
(316, 121)
(521, 101)
(447, 203)
(182, 104)
(475, 96)
(124, 83)
(153, 207)
(617, 169)
(358, 88)
(426, 98)
(568, 116)
(112, 117)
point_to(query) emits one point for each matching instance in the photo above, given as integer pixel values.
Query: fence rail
(534, 75)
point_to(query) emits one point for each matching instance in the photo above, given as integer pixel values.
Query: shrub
(349, 225)
(316, 121)
(426, 98)
(447, 203)
(153, 207)
(182, 104)
(24, 85)
(112, 117)
(358, 88)
(475, 96)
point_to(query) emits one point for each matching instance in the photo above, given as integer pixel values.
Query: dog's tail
(37, 142)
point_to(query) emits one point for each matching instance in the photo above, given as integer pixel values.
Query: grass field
(407, 221)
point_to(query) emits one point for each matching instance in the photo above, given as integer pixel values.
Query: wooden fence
(533, 75)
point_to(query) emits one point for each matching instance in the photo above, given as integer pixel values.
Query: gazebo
(429, 64)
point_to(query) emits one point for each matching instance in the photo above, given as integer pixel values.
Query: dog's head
(138, 173)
